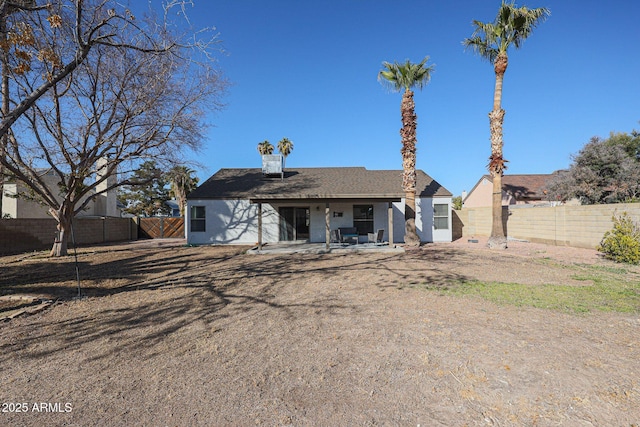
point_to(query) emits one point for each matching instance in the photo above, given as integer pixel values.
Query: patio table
(351, 238)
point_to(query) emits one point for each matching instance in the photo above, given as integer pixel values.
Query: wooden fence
(161, 228)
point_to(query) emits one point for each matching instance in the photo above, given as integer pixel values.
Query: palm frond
(511, 27)
(480, 46)
(406, 75)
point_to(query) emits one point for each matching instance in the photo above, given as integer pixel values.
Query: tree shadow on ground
(152, 295)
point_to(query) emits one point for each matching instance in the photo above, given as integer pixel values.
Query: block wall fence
(30, 234)
(578, 226)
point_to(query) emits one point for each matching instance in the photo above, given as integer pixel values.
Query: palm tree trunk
(408, 134)
(498, 238)
(411, 237)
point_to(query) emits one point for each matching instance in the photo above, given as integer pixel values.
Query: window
(197, 218)
(440, 217)
(363, 219)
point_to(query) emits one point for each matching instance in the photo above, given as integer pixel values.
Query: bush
(622, 243)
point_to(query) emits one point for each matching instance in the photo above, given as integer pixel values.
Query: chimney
(272, 165)
(106, 200)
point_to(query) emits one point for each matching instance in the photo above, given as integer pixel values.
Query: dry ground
(175, 335)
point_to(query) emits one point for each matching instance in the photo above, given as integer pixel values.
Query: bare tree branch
(108, 95)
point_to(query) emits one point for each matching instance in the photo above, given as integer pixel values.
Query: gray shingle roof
(314, 183)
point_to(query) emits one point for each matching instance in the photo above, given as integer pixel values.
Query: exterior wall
(12, 207)
(235, 221)
(230, 222)
(480, 196)
(578, 226)
(429, 233)
(424, 220)
(29, 234)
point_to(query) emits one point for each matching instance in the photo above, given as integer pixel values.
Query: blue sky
(307, 70)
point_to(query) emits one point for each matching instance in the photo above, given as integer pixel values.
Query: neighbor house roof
(314, 183)
(526, 186)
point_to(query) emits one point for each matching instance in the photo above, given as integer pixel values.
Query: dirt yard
(169, 335)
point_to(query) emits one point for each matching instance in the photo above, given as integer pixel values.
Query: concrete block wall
(31, 234)
(578, 226)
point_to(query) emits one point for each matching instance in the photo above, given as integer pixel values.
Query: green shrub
(622, 243)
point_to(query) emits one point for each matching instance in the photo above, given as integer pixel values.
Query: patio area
(321, 248)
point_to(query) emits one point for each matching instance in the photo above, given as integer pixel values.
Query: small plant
(622, 243)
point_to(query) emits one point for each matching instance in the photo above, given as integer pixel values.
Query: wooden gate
(162, 228)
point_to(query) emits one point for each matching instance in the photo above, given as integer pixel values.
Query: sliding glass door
(294, 224)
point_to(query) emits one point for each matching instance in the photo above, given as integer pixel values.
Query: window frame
(194, 218)
(440, 216)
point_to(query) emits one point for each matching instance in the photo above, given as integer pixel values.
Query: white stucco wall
(235, 221)
(231, 222)
(424, 220)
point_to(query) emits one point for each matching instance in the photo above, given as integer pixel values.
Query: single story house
(516, 190)
(249, 206)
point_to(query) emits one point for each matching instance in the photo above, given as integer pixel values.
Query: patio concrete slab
(320, 248)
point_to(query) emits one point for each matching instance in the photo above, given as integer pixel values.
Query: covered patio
(329, 244)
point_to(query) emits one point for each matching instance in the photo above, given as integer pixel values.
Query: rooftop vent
(272, 165)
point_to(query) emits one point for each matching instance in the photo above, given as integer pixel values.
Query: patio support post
(327, 223)
(390, 218)
(259, 226)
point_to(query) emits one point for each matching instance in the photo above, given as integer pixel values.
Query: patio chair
(376, 237)
(335, 236)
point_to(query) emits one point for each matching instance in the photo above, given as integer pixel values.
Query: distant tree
(146, 192)
(285, 147)
(491, 40)
(405, 77)
(265, 147)
(457, 202)
(128, 99)
(603, 171)
(182, 183)
(630, 142)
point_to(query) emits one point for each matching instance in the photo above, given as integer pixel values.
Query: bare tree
(136, 93)
(44, 42)
(6, 44)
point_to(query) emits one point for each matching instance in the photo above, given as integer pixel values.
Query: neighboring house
(516, 190)
(105, 204)
(245, 206)
(174, 207)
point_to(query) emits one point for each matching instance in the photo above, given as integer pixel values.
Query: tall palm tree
(285, 147)
(265, 147)
(491, 41)
(182, 183)
(405, 77)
